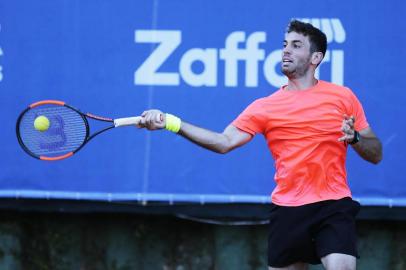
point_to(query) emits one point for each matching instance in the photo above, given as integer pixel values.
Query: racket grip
(127, 121)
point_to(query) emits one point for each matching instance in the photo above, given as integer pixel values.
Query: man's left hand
(347, 128)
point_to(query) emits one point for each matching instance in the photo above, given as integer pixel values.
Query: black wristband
(356, 137)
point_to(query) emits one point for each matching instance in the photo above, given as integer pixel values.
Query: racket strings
(66, 133)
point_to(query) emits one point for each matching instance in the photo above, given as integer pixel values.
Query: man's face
(296, 56)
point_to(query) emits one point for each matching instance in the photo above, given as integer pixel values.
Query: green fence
(34, 240)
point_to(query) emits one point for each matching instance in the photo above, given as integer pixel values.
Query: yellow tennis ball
(41, 123)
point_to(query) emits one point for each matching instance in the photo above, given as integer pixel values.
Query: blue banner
(204, 61)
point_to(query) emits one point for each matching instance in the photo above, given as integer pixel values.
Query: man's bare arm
(369, 147)
(224, 142)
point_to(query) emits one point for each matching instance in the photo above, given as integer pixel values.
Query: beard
(293, 71)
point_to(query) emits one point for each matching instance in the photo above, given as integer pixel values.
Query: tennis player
(308, 125)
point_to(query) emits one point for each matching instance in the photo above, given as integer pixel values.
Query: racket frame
(84, 116)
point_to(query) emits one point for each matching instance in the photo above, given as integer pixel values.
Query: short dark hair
(318, 40)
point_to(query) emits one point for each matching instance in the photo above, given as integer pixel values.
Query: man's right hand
(152, 120)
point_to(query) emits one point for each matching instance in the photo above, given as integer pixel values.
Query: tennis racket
(66, 129)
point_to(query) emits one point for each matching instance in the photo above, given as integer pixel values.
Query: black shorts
(309, 232)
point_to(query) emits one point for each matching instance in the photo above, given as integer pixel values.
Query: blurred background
(133, 199)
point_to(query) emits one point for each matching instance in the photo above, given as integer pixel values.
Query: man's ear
(317, 57)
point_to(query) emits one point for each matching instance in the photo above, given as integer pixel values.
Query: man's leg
(295, 266)
(336, 241)
(338, 261)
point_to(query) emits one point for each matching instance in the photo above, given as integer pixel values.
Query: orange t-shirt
(302, 129)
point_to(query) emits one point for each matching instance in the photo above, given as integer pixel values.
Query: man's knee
(338, 261)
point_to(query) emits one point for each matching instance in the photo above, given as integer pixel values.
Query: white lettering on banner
(209, 75)
(231, 54)
(333, 28)
(337, 67)
(238, 48)
(168, 41)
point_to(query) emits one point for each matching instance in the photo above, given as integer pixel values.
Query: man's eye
(296, 46)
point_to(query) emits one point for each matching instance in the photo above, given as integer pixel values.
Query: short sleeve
(357, 111)
(252, 120)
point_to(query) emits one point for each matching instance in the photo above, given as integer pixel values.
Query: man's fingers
(152, 120)
(346, 138)
(346, 128)
(351, 121)
(148, 119)
(160, 117)
(141, 123)
(343, 138)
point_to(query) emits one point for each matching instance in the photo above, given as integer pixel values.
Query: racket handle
(127, 121)
(131, 121)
